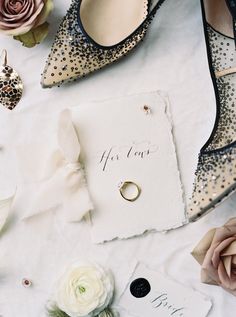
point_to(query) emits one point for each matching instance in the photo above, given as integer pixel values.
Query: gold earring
(11, 85)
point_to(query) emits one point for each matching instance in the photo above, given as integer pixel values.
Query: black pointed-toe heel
(94, 34)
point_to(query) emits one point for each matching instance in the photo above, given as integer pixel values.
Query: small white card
(149, 293)
(130, 139)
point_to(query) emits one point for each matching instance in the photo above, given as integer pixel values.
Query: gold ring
(124, 186)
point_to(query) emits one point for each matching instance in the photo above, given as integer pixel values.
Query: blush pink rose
(18, 17)
(216, 253)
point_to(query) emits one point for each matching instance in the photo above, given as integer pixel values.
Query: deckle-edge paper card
(150, 293)
(130, 139)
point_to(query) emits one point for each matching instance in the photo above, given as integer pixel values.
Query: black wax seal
(140, 287)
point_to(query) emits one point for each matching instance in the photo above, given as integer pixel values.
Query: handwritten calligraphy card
(130, 139)
(151, 294)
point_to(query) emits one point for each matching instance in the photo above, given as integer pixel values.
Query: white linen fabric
(173, 59)
(5, 207)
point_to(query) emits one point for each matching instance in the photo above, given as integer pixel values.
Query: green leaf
(34, 36)
(54, 311)
(106, 313)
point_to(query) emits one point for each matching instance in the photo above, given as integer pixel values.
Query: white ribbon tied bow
(66, 188)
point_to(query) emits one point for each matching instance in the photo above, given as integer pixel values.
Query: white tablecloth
(173, 59)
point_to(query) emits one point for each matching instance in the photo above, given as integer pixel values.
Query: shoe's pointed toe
(70, 56)
(62, 66)
(215, 180)
(74, 54)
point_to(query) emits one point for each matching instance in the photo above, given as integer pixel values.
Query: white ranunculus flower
(84, 290)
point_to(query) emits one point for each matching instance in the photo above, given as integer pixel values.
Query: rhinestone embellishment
(74, 55)
(215, 177)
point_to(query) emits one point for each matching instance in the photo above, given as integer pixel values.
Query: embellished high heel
(94, 34)
(216, 171)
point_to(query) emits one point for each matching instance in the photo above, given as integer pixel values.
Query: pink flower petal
(227, 264)
(208, 266)
(234, 261)
(224, 232)
(227, 283)
(230, 250)
(223, 276)
(217, 251)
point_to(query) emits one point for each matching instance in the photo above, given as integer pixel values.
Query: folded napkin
(63, 186)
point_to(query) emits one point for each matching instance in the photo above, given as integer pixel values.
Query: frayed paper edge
(138, 233)
(170, 119)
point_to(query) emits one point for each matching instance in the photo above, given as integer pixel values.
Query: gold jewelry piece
(124, 186)
(11, 86)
